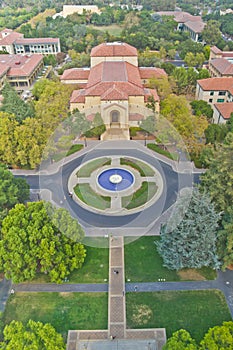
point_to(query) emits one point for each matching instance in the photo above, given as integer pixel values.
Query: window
(211, 93)
(222, 93)
(220, 100)
(210, 100)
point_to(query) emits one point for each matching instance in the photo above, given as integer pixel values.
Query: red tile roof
(216, 84)
(76, 74)
(216, 50)
(10, 38)
(114, 72)
(20, 65)
(222, 65)
(225, 109)
(151, 72)
(195, 26)
(151, 92)
(115, 49)
(3, 69)
(78, 96)
(31, 41)
(180, 16)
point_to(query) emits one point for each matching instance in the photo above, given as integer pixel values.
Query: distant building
(218, 92)
(79, 9)
(187, 22)
(20, 70)
(220, 63)
(115, 87)
(15, 43)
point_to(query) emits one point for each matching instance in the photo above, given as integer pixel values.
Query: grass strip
(87, 169)
(141, 167)
(164, 152)
(86, 194)
(141, 196)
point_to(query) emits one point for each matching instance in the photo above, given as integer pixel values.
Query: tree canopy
(180, 340)
(33, 335)
(218, 179)
(12, 190)
(218, 337)
(38, 238)
(189, 239)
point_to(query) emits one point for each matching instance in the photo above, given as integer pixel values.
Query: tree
(97, 126)
(218, 179)
(225, 239)
(211, 33)
(33, 335)
(12, 190)
(218, 337)
(215, 133)
(180, 340)
(162, 85)
(189, 240)
(149, 124)
(200, 107)
(13, 104)
(39, 238)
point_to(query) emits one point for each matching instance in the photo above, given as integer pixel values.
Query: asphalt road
(57, 184)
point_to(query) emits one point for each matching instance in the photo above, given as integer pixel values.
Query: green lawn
(87, 169)
(86, 194)
(141, 167)
(195, 311)
(141, 196)
(63, 310)
(113, 29)
(164, 152)
(95, 267)
(144, 264)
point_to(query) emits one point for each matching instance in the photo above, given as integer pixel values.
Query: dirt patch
(65, 294)
(142, 314)
(190, 274)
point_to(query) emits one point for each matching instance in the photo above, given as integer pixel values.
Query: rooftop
(115, 49)
(222, 65)
(195, 26)
(76, 74)
(225, 109)
(20, 65)
(216, 84)
(28, 41)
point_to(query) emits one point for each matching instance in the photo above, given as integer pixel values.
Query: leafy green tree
(215, 133)
(211, 33)
(33, 335)
(218, 179)
(98, 127)
(33, 241)
(149, 124)
(200, 107)
(180, 340)
(206, 156)
(218, 337)
(12, 190)
(8, 142)
(13, 104)
(189, 240)
(225, 239)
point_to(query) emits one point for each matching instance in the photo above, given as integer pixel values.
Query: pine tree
(189, 239)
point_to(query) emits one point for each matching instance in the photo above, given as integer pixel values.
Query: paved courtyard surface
(149, 344)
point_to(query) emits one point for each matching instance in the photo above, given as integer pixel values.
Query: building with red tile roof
(222, 112)
(15, 43)
(217, 92)
(187, 22)
(20, 70)
(114, 86)
(220, 63)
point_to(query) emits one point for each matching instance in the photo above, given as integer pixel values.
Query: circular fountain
(115, 179)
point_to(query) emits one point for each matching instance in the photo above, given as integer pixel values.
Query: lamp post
(85, 141)
(146, 135)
